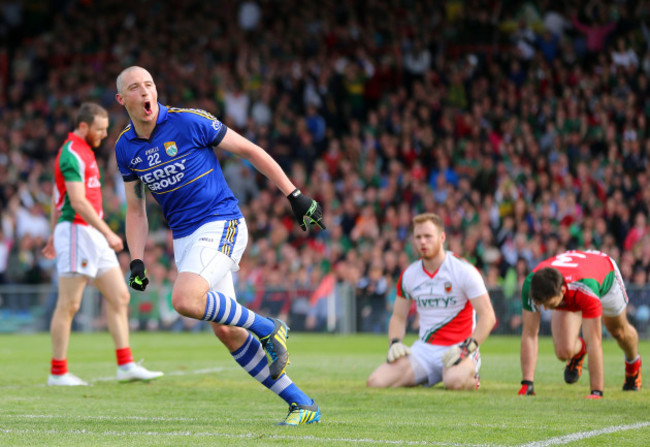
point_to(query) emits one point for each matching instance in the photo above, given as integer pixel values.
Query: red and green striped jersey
(588, 275)
(76, 163)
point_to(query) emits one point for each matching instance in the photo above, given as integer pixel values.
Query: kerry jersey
(179, 166)
(588, 275)
(443, 298)
(76, 162)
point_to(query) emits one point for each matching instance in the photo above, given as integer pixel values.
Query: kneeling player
(449, 292)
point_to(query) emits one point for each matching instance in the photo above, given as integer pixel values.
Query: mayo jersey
(76, 162)
(443, 298)
(179, 166)
(588, 275)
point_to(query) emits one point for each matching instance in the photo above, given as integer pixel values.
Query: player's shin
(252, 358)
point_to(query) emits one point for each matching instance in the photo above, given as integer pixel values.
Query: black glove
(306, 208)
(527, 388)
(138, 279)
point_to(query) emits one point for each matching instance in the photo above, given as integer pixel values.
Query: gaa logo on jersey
(84, 263)
(171, 148)
(447, 287)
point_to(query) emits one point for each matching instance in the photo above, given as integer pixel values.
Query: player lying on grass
(449, 292)
(583, 289)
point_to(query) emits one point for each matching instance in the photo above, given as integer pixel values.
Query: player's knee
(564, 353)
(69, 307)
(375, 381)
(123, 298)
(452, 380)
(453, 385)
(182, 304)
(618, 332)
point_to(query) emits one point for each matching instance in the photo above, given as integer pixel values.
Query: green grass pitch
(205, 399)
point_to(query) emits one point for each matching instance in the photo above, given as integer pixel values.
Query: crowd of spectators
(523, 123)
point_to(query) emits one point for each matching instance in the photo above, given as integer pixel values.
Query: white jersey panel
(443, 298)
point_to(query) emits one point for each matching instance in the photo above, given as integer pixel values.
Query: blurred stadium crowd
(523, 123)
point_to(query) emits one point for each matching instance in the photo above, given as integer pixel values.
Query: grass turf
(206, 399)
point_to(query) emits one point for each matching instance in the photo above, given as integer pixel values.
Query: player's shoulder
(460, 263)
(413, 268)
(120, 138)
(189, 114)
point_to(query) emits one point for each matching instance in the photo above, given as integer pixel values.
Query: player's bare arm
(263, 162)
(592, 334)
(77, 195)
(48, 251)
(137, 224)
(486, 318)
(486, 321)
(397, 330)
(529, 345)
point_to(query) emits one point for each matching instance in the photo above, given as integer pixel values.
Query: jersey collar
(78, 141)
(432, 274)
(162, 117)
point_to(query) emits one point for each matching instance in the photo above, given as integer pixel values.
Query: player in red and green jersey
(84, 247)
(583, 289)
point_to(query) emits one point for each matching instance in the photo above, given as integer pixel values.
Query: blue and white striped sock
(252, 358)
(225, 310)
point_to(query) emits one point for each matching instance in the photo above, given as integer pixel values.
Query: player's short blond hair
(429, 217)
(87, 113)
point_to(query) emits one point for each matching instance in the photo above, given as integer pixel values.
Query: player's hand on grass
(306, 210)
(396, 350)
(527, 388)
(138, 279)
(595, 394)
(457, 353)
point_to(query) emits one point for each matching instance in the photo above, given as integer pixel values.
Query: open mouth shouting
(147, 108)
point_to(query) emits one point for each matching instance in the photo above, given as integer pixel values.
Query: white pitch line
(237, 436)
(367, 441)
(584, 435)
(112, 378)
(172, 373)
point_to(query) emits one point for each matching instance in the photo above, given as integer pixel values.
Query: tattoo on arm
(138, 188)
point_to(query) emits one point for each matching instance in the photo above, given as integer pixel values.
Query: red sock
(124, 356)
(59, 367)
(632, 367)
(583, 349)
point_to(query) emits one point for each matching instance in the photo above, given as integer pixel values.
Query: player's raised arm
(306, 210)
(263, 162)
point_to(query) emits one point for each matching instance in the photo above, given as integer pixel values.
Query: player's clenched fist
(396, 350)
(306, 210)
(138, 279)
